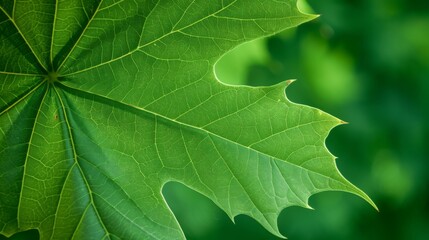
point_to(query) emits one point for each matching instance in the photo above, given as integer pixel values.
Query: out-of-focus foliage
(368, 63)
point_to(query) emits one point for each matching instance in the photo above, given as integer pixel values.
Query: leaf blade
(137, 101)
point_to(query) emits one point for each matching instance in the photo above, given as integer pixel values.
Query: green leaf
(103, 102)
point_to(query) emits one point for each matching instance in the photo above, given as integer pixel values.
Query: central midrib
(133, 107)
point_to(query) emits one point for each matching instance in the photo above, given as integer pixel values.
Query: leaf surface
(103, 102)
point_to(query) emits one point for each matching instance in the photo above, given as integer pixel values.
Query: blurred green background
(366, 62)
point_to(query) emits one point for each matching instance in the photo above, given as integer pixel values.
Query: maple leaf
(103, 102)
